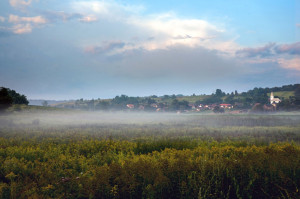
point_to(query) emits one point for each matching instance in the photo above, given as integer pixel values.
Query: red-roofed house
(229, 106)
(130, 106)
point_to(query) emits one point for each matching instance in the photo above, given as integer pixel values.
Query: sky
(72, 49)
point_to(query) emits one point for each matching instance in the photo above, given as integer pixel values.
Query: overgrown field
(131, 155)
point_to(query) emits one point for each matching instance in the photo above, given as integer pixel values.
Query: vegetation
(241, 101)
(17, 98)
(47, 155)
(9, 97)
(5, 99)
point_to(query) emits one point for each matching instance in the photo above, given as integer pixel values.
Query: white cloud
(25, 24)
(35, 20)
(22, 28)
(88, 19)
(165, 29)
(2, 19)
(20, 4)
(293, 63)
(107, 8)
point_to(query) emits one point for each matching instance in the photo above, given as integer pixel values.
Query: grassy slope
(283, 94)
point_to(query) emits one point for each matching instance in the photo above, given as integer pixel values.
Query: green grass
(283, 94)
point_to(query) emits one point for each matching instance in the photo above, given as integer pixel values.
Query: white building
(274, 100)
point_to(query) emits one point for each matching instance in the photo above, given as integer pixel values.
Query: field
(283, 94)
(74, 154)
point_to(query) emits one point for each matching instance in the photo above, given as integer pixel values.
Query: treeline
(256, 95)
(244, 100)
(9, 97)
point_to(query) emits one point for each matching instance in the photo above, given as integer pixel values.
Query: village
(217, 108)
(283, 98)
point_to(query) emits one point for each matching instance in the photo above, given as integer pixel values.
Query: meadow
(75, 154)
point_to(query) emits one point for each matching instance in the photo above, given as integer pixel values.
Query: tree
(5, 100)
(45, 103)
(219, 93)
(17, 98)
(102, 105)
(297, 95)
(218, 109)
(258, 107)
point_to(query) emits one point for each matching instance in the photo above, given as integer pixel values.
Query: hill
(244, 100)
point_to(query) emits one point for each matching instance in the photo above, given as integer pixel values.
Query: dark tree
(258, 107)
(219, 93)
(17, 98)
(5, 99)
(45, 103)
(218, 109)
(297, 95)
(102, 105)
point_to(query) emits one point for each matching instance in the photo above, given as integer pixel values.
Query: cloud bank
(113, 45)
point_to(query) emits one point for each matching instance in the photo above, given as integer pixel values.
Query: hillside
(283, 94)
(245, 100)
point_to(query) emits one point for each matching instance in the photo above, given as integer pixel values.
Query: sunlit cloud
(107, 8)
(25, 24)
(293, 49)
(2, 19)
(285, 55)
(57, 16)
(263, 51)
(165, 29)
(21, 28)
(35, 20)
(290, 63)
(106, 47)
(88, 19)
(20, 4)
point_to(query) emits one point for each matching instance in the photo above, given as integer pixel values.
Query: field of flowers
(174, 156)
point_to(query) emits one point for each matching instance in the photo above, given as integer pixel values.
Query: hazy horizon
(63, 50)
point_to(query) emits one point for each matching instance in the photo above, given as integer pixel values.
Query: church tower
(271, 97)
(274, 100)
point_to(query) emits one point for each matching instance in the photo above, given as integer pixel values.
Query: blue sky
(52, 49)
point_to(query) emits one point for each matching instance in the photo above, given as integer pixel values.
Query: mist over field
(135, 125)
(75, 118)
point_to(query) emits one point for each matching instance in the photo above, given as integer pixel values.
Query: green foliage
(18, 98)
(109, 169)
(218, 109)
(244, 100)
(297, 96)
(5, 99)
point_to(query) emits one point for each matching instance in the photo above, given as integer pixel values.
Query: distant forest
(289, 95)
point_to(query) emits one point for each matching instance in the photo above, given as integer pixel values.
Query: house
(192, 106)
(154, 105)
(274, 100)
(229, 106)
(130, 106)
